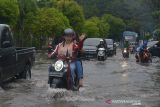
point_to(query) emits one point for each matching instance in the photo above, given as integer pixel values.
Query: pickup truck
(14, 61)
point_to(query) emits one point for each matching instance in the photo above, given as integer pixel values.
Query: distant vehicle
(125, 53)
(90, 47)
(154, 48)
(111, 47)
(131, 37)
(101, 54)
(14, 61)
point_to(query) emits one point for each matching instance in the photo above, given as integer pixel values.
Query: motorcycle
(101, 54)
(144, 57)
(60, 75)
(125, 53)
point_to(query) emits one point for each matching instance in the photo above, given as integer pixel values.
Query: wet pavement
(117, 82)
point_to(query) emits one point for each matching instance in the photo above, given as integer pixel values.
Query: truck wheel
(27, 73)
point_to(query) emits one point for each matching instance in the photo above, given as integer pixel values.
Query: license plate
(56, 74)
(55, 80)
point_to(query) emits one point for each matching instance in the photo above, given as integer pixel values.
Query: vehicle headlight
(125, 51)
(101, 53)
(58, 65)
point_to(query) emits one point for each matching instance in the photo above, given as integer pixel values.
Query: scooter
(125, 53)
(101, 54)
(60, 75)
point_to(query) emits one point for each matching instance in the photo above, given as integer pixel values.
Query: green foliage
(157, 34)
(34, 19)
(137, 10)
(50, 21)
(47, 22)
(147, 36)
(95, 27)
(44, 3)
(133, 25)
(73, 12)
(117, 26)
(91, 27)
(104, 29)
(9, 12)
(27, 6)
(156, 16)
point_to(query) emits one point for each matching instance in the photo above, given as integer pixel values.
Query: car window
(92, 41)
(109, 41)
(152, 43)
(6, 38)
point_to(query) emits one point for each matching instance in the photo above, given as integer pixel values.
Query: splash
(1, 90)
(78, 98)
(40, 83)
(67, 96)
(124, 64)
(56, 93)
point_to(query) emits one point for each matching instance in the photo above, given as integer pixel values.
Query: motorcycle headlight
(101, 53)
(125, 51)
(58, 65)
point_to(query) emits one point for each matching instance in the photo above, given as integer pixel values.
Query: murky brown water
(115, 79)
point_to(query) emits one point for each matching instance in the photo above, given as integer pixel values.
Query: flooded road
(117, 82)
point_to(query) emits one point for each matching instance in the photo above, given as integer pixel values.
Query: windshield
(152, 43)
(109, 41)
(92, 41)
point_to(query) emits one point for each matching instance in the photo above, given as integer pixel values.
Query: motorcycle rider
(140, 50)
(79, 67)
(101, 44)
(71, 48)
(126, 45)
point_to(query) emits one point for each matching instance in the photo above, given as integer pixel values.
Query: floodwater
(116, 82)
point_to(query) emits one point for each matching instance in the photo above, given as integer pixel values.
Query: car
(90, 47)
(111, 47)
(154, 48)
(14, 61)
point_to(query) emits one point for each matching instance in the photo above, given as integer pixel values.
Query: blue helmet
(145, 44)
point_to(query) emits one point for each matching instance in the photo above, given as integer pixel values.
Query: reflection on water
(158, 68)
(124, 64)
